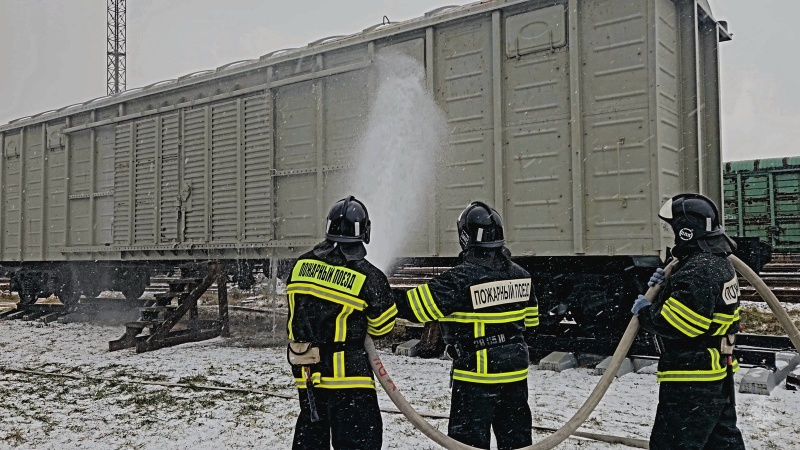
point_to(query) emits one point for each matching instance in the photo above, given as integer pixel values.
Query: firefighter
(696, 315)
(336, 297)
(483, 304)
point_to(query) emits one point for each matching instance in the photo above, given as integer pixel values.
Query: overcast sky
(53, 52)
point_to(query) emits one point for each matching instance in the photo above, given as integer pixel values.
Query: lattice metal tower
(116, 46)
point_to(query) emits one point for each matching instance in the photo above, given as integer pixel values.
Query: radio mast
(115, 71)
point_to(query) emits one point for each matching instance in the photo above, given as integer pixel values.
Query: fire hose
(602, 386)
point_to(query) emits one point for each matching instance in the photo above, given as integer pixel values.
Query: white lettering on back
(500, 292)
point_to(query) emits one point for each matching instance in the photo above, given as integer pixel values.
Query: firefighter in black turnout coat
(697, 316)
(483, 304)
(336, 297)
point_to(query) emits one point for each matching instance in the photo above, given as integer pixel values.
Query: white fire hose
(602, 386)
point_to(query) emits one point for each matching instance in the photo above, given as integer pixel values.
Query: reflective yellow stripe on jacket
(348, 302)
(326, 294)
(337, 383)
(423, 305)
(479, 321)
(531, 316)
(383, 324)
(717, 371)
(684, 319)
(725, 321)
(490, 378)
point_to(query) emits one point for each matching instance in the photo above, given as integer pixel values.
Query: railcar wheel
(132, 292)
(27, 298)
(69, 299)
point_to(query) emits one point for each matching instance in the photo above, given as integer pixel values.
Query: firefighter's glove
(641, 302)
(657, 278)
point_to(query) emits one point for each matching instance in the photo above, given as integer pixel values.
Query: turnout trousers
(349, 419)
(476, 408)
(695, 416)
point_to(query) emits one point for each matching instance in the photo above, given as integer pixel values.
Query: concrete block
(625, 368)
(793, 380)
(640, 364)
(757, 380)
(408, 348)
(785, 363)
(558, 361)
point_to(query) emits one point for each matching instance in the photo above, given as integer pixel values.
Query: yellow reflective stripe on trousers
(468, 317)
(697, 320)
(482, 362)
(291, 316)
(676, 321)
(337, 383)
(326, 294)
(717, 371)
(340, 334)
(490, 378)
(416, 306)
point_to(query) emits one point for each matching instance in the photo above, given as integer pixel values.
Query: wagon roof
(371, 33)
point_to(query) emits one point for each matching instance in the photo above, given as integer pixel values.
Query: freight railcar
(762, 201)
(574, 118)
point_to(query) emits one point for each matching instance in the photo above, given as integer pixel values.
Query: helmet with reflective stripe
(348, 221)
(479, 225)
(695, 220)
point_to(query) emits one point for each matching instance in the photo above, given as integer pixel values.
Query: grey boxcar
(577, 118)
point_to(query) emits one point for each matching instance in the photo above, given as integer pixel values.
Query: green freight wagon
(762, 200)
(576, 119)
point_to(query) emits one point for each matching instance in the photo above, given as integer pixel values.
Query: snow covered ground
(46, 412)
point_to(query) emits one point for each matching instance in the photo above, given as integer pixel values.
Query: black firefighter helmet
(480, 226)
(348, 221)
(695, 221)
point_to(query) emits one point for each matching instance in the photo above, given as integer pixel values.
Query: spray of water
(398, 156)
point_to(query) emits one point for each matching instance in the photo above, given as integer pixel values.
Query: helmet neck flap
(694, 219)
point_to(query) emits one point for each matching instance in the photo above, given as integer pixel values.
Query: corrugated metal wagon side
(762, 201)
(576, 119)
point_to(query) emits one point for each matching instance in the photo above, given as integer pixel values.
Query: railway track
(782, 275)
(89, 307)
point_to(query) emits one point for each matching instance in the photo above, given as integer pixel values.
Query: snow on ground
(40, 412)
(764, 307)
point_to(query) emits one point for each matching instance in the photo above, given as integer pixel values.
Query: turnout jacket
(483, 309)
(334, 303)
(698, 305)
